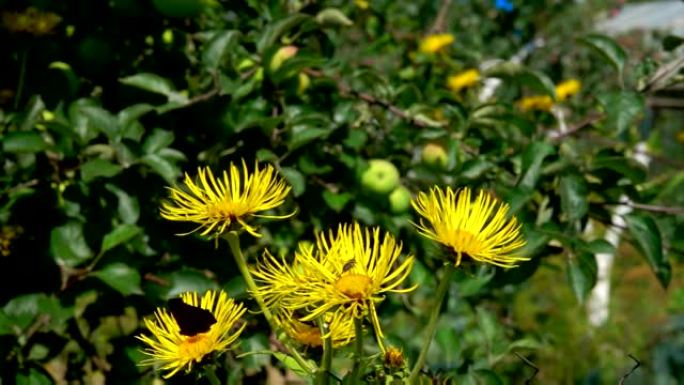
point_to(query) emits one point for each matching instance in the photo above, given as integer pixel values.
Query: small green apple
(434, 155)
(303, 82)
(381, 177)
(400, 200)
(282, 54)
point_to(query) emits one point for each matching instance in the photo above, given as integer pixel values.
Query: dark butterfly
(191, 319)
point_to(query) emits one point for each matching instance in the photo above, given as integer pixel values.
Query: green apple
(381, 177)
(434, 155)
(282, 54)
(400, 200)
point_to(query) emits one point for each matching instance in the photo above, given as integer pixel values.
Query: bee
(349, 265)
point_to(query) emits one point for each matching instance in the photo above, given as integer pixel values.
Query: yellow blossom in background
(536, 102)
(394, 358)
(31, 21)
(362, 4)
(172, 351)
(347, 272)
(680, 137)
(567, 88)
(435, 43)
(340, 326)
(478, 229)
(463, 79)
(217, 203)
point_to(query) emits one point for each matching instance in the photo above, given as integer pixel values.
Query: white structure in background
(657, 15)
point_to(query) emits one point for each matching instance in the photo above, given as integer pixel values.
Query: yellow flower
(216, 204)
(347, 272)
(478, 229)
(464, 79)
(567, 88)
(362, 4)
(340, 326)
(173, 351)
(435, 43)
(536, 102)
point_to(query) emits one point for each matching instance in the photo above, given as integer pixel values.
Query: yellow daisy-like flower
(536, 102)
(173, 351)
(347, 272)
(463, 80)
(340, 326)
(218, 203)
(435, 43)
(567, 88)
(479, 229)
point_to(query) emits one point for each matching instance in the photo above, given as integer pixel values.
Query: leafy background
(104, 104)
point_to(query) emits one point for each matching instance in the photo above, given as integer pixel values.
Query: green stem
(432, 322)
(358, 350)
(22, 77)
(211, 375)
(234, 243)
(323, 374)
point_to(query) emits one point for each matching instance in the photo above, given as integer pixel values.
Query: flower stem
(431, 327)
(211, 375)
(323, 374)
(358, 350)
(234, 243)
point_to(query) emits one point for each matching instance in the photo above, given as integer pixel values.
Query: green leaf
(151, 82)
(185, 280)
(121, 277)
(162, 166)
(582, 274)
(573, 194)
(275, 30)
(157, 140)
(475, 168)
(102, 121)
(128, 206)
(338, 201)
(333, 17)
(537, 81)
(119, 235)
(98, 168)
(221, 42)
(598, 246)
(532, 160)
(32, 377)
(303, 136)
(292, 364)
(22, 311)
(634, 171)
(132, 113)
(648, 240)
(23, 142)
(296, 180)
(68, 245)
(32, 115)
(621, 107)
(608, 49)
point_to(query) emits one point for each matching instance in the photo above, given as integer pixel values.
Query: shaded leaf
(128, 206)
(68, 245)
(215, 49)
(648, 240)
(621, 107)
(608, 49)
(23, 142)
(295, 179)
(98, 168)
(582, 274)
(157, 140)
(119, 235)
(573, 193)
(121, 277)
(532, 160)
(336, 202)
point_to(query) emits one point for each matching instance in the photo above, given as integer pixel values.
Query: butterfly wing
(192, 320)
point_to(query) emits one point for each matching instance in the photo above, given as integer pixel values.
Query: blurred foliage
(105, 103)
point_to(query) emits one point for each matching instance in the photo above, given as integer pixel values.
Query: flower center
(465, 242)
(195, 347)
(356, 286)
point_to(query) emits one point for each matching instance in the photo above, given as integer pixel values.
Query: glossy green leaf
(622, 108)
(647, 238)
(274, 31)
(220, 44)
(32, 114)
(68, 245)
(532, 160)
(336, 201)
(162, 166)
(99, 168)
(573, 193)
(295, 179)
(128, 205)
(608, 49)
(151, 82)
(102, 121)
(23, 142)
(121, 277)
(132, 113)
(119, 235)
(32, 376)
(582, 273)
(157, 140)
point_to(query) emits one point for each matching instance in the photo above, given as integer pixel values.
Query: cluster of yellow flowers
(336, 281)
(31, 21)
(564, 90)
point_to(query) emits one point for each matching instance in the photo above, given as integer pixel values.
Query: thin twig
(637, 364)
(531, 365)
(440, 21)
(587, 121)
(647, 207)
(209, 94)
